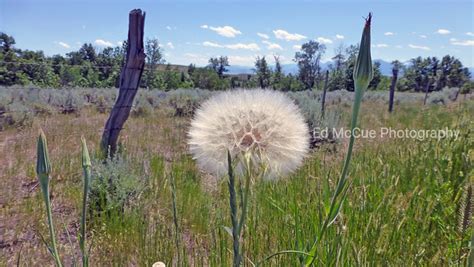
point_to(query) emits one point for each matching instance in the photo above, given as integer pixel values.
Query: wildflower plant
(363, 74)
(43, 170)
(261, 128)
(248, 135)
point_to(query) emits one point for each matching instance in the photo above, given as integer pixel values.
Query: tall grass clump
(249, 135)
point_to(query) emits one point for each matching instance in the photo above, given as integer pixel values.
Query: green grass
(401, 209)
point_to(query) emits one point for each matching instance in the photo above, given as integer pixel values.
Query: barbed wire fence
(118, 67)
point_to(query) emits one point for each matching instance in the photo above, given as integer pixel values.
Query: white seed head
(261, 124)
(158, 264)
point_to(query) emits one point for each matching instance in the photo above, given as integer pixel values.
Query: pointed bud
(86, 160)
(363, 72)
(43, 166)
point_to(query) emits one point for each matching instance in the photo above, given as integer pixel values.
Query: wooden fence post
(323, 102)
(392, 87)
(129, 81)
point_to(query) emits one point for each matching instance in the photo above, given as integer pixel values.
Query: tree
(154, 56)
(88, 53)
(263, 72)
(377, 76)
(154, 53)
(339, 57)
(219, 65)
(191, 69)
(6, 42)
(453, 73)
(308, 60)
(207, 78)
(351, 55)
(337, 78)
(277, 74)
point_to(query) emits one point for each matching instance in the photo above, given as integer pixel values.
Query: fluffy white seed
(266, 125)
(158, 264)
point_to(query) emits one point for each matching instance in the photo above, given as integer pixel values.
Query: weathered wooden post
(392, 87)
(129, 80)
(427, 89)
(323, 101)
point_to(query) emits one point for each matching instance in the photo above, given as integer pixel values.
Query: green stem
(175, 215)
(83, 236)
(233, 213)
(244, 202)
(45, 189)
(343, 177)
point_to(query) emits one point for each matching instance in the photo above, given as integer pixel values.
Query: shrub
(115, 185)
(101, 104)
(15, 114)
(42, 109)
(142, 108)
(184, 102)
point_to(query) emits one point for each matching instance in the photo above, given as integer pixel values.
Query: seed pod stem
(362, 77)
(43, 169)
(86, 166)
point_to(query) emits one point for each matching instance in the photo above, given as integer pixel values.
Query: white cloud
(423, 36)
(272, 46)
(470, 33)
(196, 58)
(462, 43)
(339, 36)
(297, 47)
(263, 35)
(103, 43)
(119, 43)
(453, 39)
(419, 47)
(226, 31)
(324, 40)
(381, 45)
(211, 44)
(241, 60)
(443, 31)
(170, 45)
(284, 35)
(63, 44)
(389, 34)
(251, 46)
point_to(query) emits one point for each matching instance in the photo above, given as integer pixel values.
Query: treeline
(89, 67)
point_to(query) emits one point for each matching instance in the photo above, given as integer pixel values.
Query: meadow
(404, 206)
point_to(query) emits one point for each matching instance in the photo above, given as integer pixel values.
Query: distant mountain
(236, 69)
(385, 68)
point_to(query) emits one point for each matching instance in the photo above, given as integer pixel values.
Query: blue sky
(193, 31)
